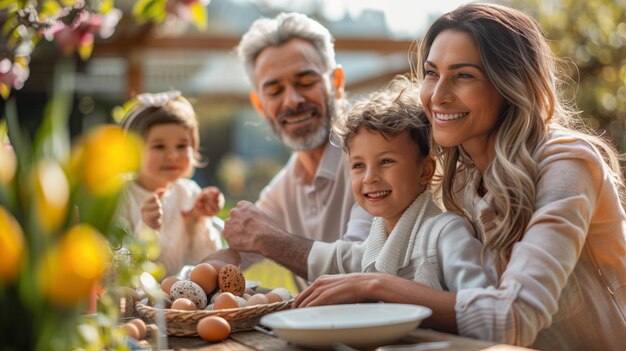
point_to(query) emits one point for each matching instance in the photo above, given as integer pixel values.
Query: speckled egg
(230, 279)
(189, 290)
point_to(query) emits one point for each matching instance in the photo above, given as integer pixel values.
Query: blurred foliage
(592, 34)
(58, 235)
(59, 244)
(73, 25)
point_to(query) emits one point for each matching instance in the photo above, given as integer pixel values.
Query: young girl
(386, 139)
(546, 197)
(162, 197)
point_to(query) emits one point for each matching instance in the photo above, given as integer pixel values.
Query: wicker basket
(183, 323)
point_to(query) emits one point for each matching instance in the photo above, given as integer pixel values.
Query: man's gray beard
(310, 141)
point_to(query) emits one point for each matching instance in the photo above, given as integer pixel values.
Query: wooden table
(255, 340)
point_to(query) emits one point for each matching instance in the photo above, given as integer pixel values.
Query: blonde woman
(545, 195)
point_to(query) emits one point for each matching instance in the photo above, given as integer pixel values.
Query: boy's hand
(152, 210)
(209, 203)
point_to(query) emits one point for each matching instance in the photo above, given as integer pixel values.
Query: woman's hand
(152, 210)
(339, 289)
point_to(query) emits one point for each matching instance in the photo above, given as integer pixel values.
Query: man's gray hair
(277, 31)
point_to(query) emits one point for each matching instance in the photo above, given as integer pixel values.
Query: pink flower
(13, 74)
(79, 35)
(181, 9)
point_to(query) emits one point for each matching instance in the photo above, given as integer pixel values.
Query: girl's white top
(178, 246)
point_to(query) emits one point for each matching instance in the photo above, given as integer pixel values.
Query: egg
(131, 330)
(257, 299)
(166, 284)
(241, 301)
(278, 295)
(184, 304)
(216, 264)
(141, 327)
(230, 279)
(215, 295)
(204, 275)
(225, 300)
(191, 291)
(213, 328)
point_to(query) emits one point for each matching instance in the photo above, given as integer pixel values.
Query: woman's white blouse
(565, 285)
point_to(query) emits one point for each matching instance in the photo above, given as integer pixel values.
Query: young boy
(387, 142)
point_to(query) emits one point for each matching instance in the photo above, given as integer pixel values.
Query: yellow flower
(52, 193)
(71, 268)
(11, 246)
(8, 164)
(105, 157)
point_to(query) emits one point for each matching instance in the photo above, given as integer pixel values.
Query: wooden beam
(377, 81)
(124, 45)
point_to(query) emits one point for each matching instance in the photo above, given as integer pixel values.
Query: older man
(297, 89)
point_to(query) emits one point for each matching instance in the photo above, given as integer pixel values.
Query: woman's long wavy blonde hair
(521, 66)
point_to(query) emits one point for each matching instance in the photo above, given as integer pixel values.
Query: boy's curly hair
(390, 111)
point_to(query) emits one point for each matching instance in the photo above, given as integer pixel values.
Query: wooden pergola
(131, 40)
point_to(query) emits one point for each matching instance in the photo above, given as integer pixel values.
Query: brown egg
(131, 330)
(216, 264)
(213, 328)
(278, 294)
(231, 280)
(204, 275)
(184, 304)
(141, 327)
(166, 284)
(225, 300)
(271, 298)
(257, 299)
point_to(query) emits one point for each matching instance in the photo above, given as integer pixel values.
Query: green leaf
(199, 16)
(10, 24)
(5, 91)
(11, 5)
(18, 139)
(85, 50)
(52, 138)
(106, 6)
(139, 8)
(49, 8)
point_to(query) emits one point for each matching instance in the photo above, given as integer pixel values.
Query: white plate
(356, 325)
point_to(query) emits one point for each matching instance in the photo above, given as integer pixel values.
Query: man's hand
(209, 203)
(245, 226)
(250, 230)
(152, 210)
